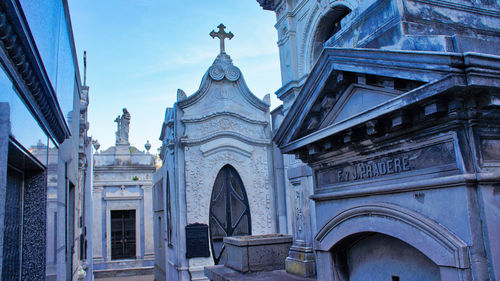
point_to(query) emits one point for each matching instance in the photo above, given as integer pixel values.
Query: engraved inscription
(371, 169)
(197, 240)
(427, 157)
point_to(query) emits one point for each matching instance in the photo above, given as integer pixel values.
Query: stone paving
(128, 278)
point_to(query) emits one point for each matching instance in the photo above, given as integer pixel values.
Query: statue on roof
(123, 123)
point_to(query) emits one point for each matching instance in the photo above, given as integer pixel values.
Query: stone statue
(123, 123)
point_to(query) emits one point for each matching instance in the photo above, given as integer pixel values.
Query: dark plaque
(436, 156)
(197, 240)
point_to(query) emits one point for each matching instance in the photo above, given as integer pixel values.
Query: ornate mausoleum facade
(123, 206)
(217, 176)
(393, 105)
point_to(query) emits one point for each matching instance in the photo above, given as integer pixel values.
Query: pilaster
(97, 231)
(301, 259)
(148, 222)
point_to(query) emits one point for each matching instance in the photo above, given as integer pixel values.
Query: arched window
(327, 26)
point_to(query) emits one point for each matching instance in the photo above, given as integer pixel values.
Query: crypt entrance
(376, 256)
(123, 234)
(229, 211)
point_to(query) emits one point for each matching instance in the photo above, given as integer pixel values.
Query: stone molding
(221, 124)
(461, 7)
(24, 66)
(223, 113)
(115, 183)
(226, 144)
(229, 134)
(434, 240)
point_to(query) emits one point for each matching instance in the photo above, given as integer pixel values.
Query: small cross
(221, 34)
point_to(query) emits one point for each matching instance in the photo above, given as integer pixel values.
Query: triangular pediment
(349, 86)
(355, 100)
(342, 100)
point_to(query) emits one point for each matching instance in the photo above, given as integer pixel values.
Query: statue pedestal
(122, 153)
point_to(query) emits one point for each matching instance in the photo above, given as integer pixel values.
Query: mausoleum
(217, 173)
(394, 107)
(123, 212)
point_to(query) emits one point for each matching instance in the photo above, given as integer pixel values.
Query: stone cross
(221, 34)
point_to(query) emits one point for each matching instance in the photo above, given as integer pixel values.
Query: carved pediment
(356, 99)
(348, 89)
(345, 100)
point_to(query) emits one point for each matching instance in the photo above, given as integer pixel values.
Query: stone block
(301, 261)
(257, 253)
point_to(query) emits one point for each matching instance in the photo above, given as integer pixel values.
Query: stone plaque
(431, 156)
(197, 240)
(490, 149)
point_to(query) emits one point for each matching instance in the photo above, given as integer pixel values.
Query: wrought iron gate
(229, 211)
(123, 234)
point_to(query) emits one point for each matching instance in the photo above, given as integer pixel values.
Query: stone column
(148, 222)
(97, 227)
(301, 260)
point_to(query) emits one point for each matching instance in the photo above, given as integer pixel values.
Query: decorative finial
(181, 95)
(221, 34)
(147, 146)
(96, 144)
(267, 99)
(84, 68)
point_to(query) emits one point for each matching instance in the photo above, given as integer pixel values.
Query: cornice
(412, 65)
(21, 60)
(269, 5)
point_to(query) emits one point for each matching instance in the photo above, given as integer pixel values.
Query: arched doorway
(389, 224)
(375, 256)
(229, 211)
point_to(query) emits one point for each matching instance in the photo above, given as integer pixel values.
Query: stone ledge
(222, 273)
(251, 240)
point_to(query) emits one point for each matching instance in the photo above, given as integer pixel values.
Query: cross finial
(221, 34)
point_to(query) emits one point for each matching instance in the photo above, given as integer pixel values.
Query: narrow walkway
(128, 278)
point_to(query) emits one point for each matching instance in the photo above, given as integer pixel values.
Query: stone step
(223, 273)
(122, 272)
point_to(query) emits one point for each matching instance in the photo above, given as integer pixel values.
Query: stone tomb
(123, 220)
(217, 168)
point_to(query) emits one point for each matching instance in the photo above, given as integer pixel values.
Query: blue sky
(139, 52)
